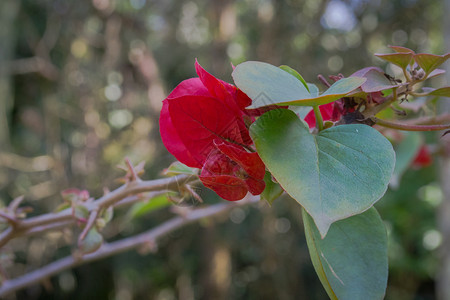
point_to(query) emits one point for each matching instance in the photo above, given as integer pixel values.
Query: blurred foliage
(81, 86)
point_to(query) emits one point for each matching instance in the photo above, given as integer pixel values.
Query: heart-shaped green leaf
(266, 85)
(340, 172)
(351, 261)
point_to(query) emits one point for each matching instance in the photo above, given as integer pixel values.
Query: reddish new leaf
(435, 72)
(401, 59)
(429, 62)
(376, 81)
(441, 92)
(400, 49)
(74, 195)
(364, 71)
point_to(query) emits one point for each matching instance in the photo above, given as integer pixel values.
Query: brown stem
(441, 119)
(44, 228)
(109, 249)
(323, 80)
(131, 188)
(11, 219)
(133, 174)
(410, 127)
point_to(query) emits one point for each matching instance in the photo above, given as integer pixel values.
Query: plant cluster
(270, 133)
(320, 148)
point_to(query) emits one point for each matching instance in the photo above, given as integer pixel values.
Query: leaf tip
(323, 225)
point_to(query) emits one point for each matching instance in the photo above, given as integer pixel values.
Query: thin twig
(131, 188)
(109, 249)
(48, 227)
(323, 80)
(11, 219)
(410, 127)
(139, 197)
(133, 174)
(90, 223)
(441, 119)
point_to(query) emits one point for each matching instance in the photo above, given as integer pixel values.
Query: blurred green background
(81, 85)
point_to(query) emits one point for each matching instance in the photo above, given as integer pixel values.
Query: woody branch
(122, 195)
(148, 238)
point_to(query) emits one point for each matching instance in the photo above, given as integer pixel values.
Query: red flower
(202, 125)
(423, 158)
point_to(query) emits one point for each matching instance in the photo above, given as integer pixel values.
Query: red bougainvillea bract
(202, 125)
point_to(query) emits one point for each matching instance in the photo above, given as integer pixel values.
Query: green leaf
(338, 90)
(435, 72)
(401, 49)
(376, 81)
(351, 261)
(145, 207)
(429, 62)
(177, 168)
(108, 214)
(296, 74)
(405, 153)
(301, 111)
(313, 89)
(91, 242)
(340, 172)
(62, 206)
(441, 92)
(268, 85)
(401, 59)
(272, 190)
(81, 212)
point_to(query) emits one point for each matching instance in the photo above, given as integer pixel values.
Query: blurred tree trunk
(8, 13)
(443, 277)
